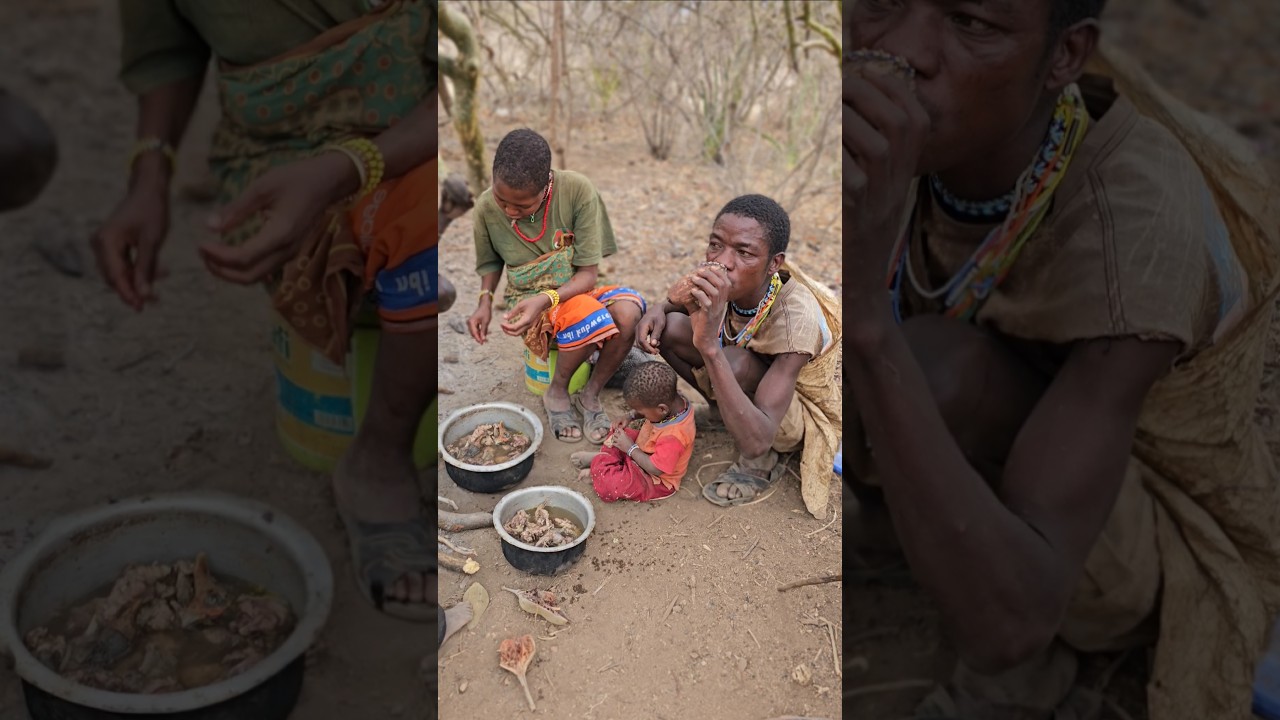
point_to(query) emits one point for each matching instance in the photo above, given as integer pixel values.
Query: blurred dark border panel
(130, 133)
(1218, 59)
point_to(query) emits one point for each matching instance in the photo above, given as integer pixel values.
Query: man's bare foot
(378, 485)
(564, 422)
(455, 618)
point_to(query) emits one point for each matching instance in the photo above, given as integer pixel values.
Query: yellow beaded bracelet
(368, 161)
(151, 144)
(374, 163)
(555, 296)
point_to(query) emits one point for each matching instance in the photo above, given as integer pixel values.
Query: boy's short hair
(522, 160)
(650, 384)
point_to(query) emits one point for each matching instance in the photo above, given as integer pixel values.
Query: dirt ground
(727, 646)
(181, 396)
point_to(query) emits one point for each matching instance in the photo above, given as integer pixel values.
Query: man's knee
(28, 153)
(984, 391)
(747, 368)
(951, 355)
(678, 332)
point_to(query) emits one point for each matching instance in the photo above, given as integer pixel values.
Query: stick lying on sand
(23, 459)
(465, 565)
(812, 581)
(457, 522)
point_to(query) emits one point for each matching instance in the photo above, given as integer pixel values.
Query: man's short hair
(650, 384)
(522, 160)
(1065, 13)
(772, 218)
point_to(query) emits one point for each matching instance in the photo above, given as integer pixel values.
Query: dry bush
(750, 87)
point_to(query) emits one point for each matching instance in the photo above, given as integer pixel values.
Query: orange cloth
(385, 242)
(396, 228)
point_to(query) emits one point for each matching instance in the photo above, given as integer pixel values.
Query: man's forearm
(163, 113)
(750, 427)
(981, 563)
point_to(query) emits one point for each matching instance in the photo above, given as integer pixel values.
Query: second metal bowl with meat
(544, 529)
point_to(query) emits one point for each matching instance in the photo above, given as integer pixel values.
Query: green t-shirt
(576, 207)
(169, 40)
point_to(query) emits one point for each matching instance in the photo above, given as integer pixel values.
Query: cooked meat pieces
(259, 614)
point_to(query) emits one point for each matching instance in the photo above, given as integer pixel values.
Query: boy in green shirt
(550, 230)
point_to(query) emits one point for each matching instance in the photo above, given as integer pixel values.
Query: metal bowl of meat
(489, 447)
(544, 529)
(98, 582)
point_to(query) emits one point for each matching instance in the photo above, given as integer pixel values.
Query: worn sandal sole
(383, 552)
(592, 420)
(563, 420)
(737, 477)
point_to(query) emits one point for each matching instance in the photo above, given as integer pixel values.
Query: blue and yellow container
(319, 405)
(537, 374)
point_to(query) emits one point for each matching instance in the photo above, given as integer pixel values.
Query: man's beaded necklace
(990, 263)
(757, 315)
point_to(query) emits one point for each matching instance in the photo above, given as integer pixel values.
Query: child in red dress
(647, 464)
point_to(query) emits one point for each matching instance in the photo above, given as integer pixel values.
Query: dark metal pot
(78, 554)
(489, 478)
(542, 560)
(272, 700)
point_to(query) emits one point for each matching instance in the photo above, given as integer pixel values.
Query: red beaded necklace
(551, 186)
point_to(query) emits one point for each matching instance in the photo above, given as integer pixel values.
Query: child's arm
(663, 460)
(643, 459)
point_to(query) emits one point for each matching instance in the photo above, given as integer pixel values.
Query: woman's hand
(521, 317)
(294, 199)
(478, 323)
(128, 243)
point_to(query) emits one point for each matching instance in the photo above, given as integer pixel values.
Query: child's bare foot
(582, 458)
(584, 475)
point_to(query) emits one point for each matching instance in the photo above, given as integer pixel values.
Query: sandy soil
(194, 406)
